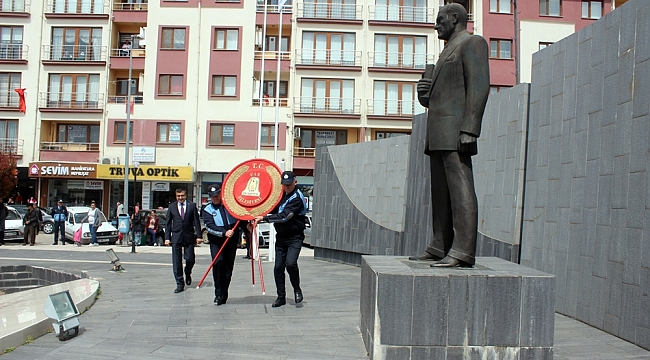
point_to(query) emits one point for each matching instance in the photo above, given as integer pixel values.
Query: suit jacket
(457, 98)
(182, 230)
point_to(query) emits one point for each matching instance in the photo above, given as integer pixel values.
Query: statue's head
(451, 19)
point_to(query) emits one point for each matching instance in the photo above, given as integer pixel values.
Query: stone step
(13, 268)
(15, 275)
(16, 289)
(19, 282)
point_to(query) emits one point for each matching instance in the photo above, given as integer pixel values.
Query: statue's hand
(467, 143)
(424, 85)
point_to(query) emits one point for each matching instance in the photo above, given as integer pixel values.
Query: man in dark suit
(455, 91)
(183, 229)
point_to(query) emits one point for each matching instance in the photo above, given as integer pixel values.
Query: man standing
(288, 218)
(31, 224)
(59, 213)
(221, 225)
(183, 229)
(455, 91)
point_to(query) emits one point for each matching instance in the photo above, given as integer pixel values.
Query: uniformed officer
(220, 225)
(288, 218)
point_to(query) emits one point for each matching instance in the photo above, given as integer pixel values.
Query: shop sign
(144, 154)
(160, 186)
(147, 173)
(62, 170)
(174, 133)
(325, 137)
(146, 199)
(94, 185)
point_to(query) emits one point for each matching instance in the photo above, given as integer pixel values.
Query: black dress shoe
(448, 262)
(188, 280)
(220, 300)
(298, 296)
(279, 302)
(178, 289)
(425, 257)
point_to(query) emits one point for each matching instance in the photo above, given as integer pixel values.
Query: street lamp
(128, 124)
(136, 165)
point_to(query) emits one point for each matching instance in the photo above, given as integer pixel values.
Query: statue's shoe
(449, 261)
(425, 257)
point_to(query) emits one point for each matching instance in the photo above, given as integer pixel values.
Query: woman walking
(152, 228)
(94, 221)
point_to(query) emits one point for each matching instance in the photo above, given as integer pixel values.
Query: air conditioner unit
(106, 161)
(115, 161)
(142, 36)
(296, 133)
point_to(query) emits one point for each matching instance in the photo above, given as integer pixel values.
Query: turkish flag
(130, 105)
(21, 104)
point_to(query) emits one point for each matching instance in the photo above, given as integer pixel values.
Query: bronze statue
(455, 91)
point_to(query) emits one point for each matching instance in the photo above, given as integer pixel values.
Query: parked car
(106, 234)
(47, 225)
(21, 209)
(13, 225)
(162, 221)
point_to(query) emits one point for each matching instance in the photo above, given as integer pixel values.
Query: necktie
(182, 211)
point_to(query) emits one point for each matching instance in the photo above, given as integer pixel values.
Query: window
(74, 133)
(592, 9)
(331, 9)
(170, 85)
(8, 129)
(120, 131)
(387, 135)
(12, 5)
(272, 43)
(9, 82)
(267, 136)
(11, 42)
(224, 85)
(500, 6)
(226, 39)
(321, 48)
(327, 96)
(222, 134)
(543, 45)
(269, 88)
(400, 51)
(501, 49)
(173, 39)
(550, 7)
(395, 98)
(78, 6)
(310, 138)
(71, 44)
(122, 86)
(401, 10)
(74, 91)
(169, 133)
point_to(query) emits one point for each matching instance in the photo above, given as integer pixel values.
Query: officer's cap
(214, 190)
(288, 177)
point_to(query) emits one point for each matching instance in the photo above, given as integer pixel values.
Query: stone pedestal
(496, 310)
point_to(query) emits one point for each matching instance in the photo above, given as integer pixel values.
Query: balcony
(328, 12)
(120, 99)
(270, 8)
(270, 60)
(401, 15)
(74, 55)
(404, 62)
(79, 101)
(328, 59)
(130, 12)
(120, 59)
(15, 8)
(68, 146)
(317, 107)
(381, 108)
(80, 9)
(270, 101)
(131, 6)
(304, 152)
(13, 53)
(11, 146)
(9, 100)
(69, 151)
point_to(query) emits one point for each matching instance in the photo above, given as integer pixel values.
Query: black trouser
(286, 256)
(180, 251)
(30, 234)
(2, 234)
(59, 228)
(222, 269)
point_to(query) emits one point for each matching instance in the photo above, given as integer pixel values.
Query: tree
(8, 175)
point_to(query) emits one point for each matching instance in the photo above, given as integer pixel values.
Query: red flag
(130, 106)
(21, 104)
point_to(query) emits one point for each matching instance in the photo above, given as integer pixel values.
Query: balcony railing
(328, 57)
(270, 101)
(79, 100)
(125, 52)
(120, 99)
(399, 60)
(131, 6)
(13, 51)
(286, 9)
(75, 53)
(405, 108)
(402, 13)
(9, 99)
(18, 6)
(272, 55)
(304, 152)
(68, 146)
(322, 105)
(311, 10)
(79, 7)
(11, 146)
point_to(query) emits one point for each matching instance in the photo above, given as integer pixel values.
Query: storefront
(74, 183)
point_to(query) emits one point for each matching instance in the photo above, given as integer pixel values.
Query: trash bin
(123, 223)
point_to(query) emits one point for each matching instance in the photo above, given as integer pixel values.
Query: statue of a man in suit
(455, 91)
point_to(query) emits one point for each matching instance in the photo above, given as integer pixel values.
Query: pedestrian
(31, 200)
(288, 218)
(94, 221)
(10, 201)
(3, 216)
(220, 225)
(30, 221)
(183, 231)
(59, 213)
(19, 198)
(120, 210)
(137, 224)
(152, 227)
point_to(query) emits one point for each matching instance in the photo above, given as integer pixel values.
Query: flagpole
(261, 93)
(277, 86)
(128, 132)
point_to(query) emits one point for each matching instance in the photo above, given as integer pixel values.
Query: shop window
(222, 134)
(173, 39)
(120, 132)
(313, 138)
(169, 133)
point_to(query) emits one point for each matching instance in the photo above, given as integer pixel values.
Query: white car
(106, 233)
(13, 225)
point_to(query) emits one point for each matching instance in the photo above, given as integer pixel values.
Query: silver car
(13, 225)
(106, 233)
